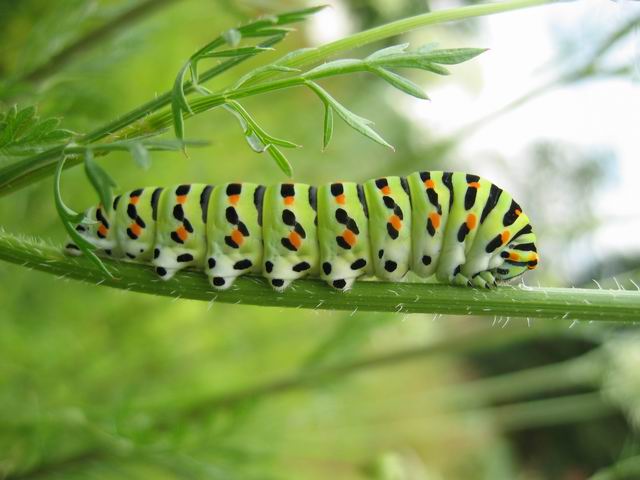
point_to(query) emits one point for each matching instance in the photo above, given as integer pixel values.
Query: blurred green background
(97, 383)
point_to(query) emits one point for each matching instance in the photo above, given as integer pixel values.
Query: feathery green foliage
(24, 133)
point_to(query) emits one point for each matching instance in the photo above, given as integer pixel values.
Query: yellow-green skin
(456, 227)
(229, 251)
(342, 218)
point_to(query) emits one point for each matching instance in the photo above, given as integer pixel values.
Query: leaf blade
(401, 83)
(327, 126)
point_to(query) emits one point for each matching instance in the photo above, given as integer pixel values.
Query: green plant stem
(627, 469)
(482, 341)
(584, 371)
(315, 55)
(551, 412)
(25, 172)
(94, 37)
(506, 301)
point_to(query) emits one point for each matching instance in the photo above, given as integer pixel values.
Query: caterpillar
(458, 227)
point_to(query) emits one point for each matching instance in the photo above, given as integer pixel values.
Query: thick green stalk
(551, 412)
(25, 172)
(92, 38)
(627, 469)
(584, 371)
(319, 54)
(506, 301)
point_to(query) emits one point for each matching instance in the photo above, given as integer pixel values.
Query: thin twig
(91, 39)
(25, 172)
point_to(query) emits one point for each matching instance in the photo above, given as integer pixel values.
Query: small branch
(25, 172)
(626, 469)
(399, 27)
(552, 412)
(506, 301)
(586, 370)
(88, 41)
(20, 174)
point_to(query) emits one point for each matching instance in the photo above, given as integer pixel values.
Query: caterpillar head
(517, 259)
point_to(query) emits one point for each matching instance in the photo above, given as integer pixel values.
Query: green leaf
(178, 95)
(292, 55)
(99, 178)
(336, 67)
(259, 140)
(454, 56)
(280, 142)
(432, 67)
(267, 68)
(328, 126)
(193, 70)
(298, 15)
(269, 32)
(42, 128)
(409, 60)
(262, 27)
(236, 52)
(401, 83)
(58, 135)
(393, 50)
(22, 132)
(359, 124)
(178, 119)
(140, 155)
(68, 218)
(24, 120)
(280, 160)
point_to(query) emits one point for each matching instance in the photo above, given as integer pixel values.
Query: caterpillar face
(458, 227)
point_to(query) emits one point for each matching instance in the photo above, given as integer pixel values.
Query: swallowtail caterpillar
(460, 228)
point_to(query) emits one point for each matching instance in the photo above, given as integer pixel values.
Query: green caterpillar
(459, 227)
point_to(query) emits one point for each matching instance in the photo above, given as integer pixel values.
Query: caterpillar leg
(461, 280)
(483, 280)
(488, 278)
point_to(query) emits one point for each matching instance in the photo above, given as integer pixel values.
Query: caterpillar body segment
(390, 221)
(134, 215)
(234, 232)
(343, 234)
(290, 233)
(180, 229)
(457, 227)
